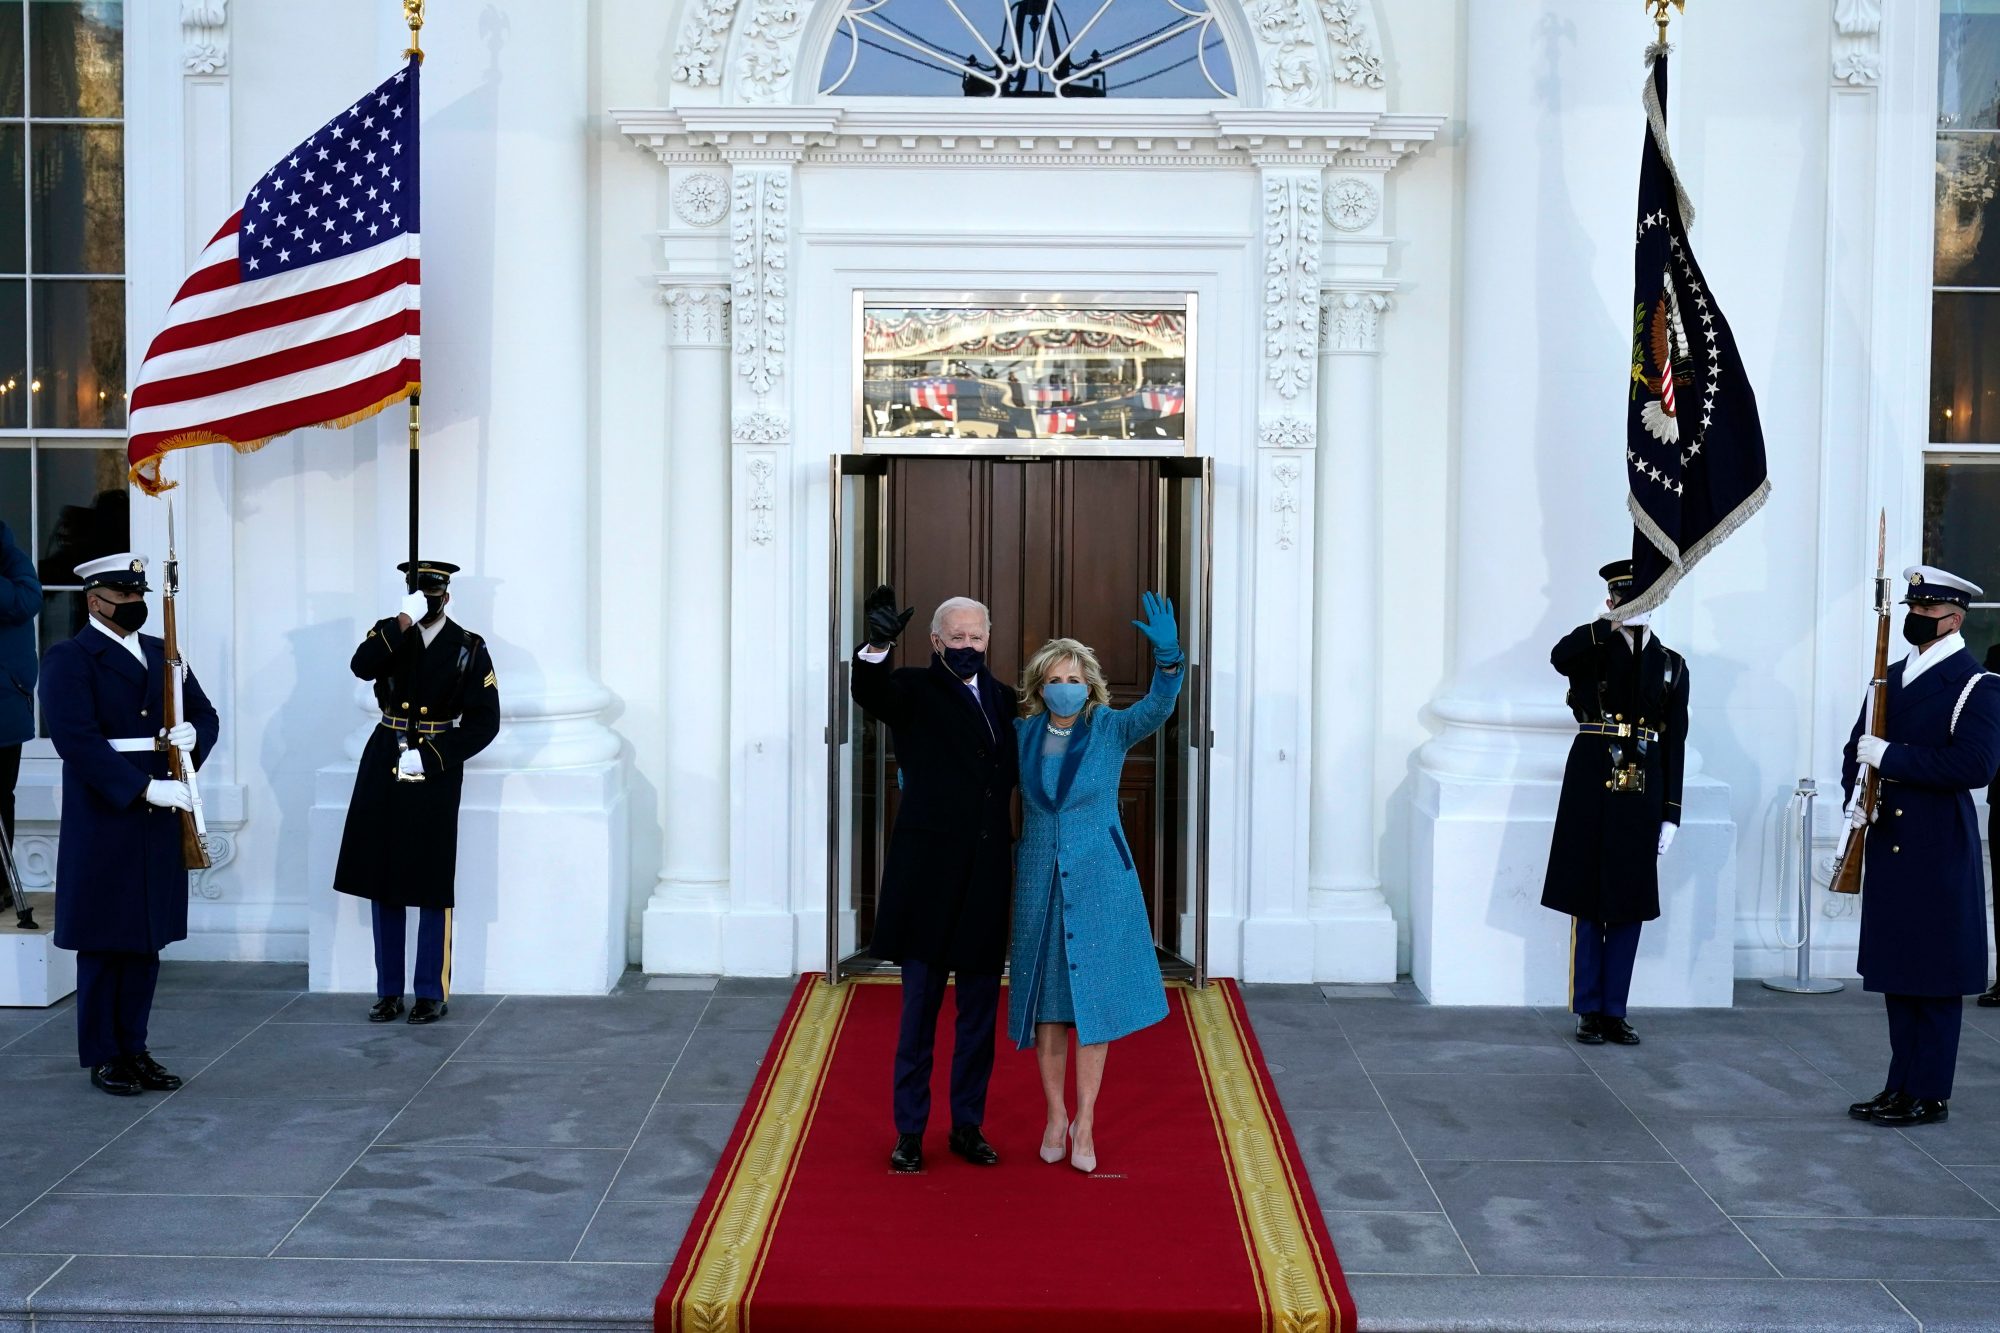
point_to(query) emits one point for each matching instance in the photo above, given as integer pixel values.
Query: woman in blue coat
(1082, 946)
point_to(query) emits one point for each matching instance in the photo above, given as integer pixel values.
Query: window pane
(1968, 180)
(13, 354)
(1982, 635)
(85, 509)
(79, 205)
(15, 473)
(10, 58)
(77, 58)
(13, 227)
(1962, 520)
(1965, 368)
(79, 355)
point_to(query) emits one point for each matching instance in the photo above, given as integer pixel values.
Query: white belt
(134, 744)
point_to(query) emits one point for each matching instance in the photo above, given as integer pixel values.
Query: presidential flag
(303, 311)
(1694, 451)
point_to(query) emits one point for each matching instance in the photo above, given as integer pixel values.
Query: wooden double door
(1055, 547)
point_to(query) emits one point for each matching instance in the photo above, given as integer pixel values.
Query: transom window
(1028, 48)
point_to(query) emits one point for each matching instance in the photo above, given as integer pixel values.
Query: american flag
(1166, 399)
(939, 395)
(1058, 421)
(303, 311)
(1047, 393)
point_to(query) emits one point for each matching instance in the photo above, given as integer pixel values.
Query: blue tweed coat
(1115, 975)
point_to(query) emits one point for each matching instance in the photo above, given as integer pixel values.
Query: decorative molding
(1351, 321)
(762, 502)
(1292, 71)
(1356, 57)
(1857, 43)
(698, 53)
(1352, 203)
(761, 426)
(701, 199)
(1857, 18)
(759, 231)
(1285, 504)
(221, 851)
(1291, 282)
(35, 859)
(205, 36)
(1286, 432)
(699, 313)
(770, 49)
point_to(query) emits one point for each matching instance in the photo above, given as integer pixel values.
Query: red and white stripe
(241, 362)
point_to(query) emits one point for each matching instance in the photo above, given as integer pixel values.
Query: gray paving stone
(1315, 1070)
(1357, 991)
(646, 1231)
(1396, 1243)
(1948, 1249)
(247, 1145)
(1982, 1180)
(1751, 1075)
(1841, 1168)
(1617, 1219)
(1852, 1047)
(1357, 1162)
(1261, 992)
(676, 1152)
(747, 1013)
(529, 1104)
(1515, 1117)
(54, 1094)
(1951, 1307)
(194, 974)
(781, 987)
(306, 1060)
(717, 1067)
(645, 1029)
(17, 1023)
(348, 1007)
(681, 983)
(1390, 1037)
(182, 1224)
(186, 1025)
(486, 1203)
(1971, 1137)
(1391, 1304)
(1752, 993)
(20, 1275)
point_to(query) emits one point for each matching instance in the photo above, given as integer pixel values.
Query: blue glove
(1161, 630)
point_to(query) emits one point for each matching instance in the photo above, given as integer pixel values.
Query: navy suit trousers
(1923, 1044)
(114, 1003)
(433, 951)
(972, 1045)
(1600, 967)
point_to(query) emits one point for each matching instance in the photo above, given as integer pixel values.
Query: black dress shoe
(1910, 1111)
(908, 1154)
(1587, 1030)
(1990, 999)
(1862, 1110)
(1617, 1030)
(969, 1143)
(428, 1011)
(150, 1075)
(116, 1078)
(387, 1009)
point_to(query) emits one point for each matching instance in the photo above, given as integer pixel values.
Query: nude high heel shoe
(1077, 1159)
(1052, 1155)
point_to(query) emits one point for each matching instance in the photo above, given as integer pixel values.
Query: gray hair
(951, 604)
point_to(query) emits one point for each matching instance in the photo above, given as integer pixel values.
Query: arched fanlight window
(1027, 48)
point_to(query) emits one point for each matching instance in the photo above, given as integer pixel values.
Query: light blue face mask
(1065, 699)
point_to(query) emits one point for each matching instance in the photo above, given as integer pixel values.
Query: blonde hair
(1052, 655)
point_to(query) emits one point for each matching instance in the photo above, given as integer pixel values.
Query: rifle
(11, 892)
(1868, 790)
(194, 828)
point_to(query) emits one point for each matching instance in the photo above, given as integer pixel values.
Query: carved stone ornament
(1857, 42)
(701, 199)
(1291, 282)
(1352, 321)
(1356, 58)
(698, 53)
(761, 426)
(1287, 432)
(221, 851)
(1857, 18)
(762, 502)
(1352, 203)
(1285, 502)
(35, 859)
(1291, 73)
(204, 36)
(700, 315)
(770, 49)
(759, 230)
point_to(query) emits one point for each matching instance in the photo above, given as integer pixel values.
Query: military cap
(1929, 585)
(432, 575)
(125, 571)
(1617, 578)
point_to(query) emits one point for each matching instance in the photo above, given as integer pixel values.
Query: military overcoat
(948, 875)
(400, 846)
(1604, 854)
(121, 876)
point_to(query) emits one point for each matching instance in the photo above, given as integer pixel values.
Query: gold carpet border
(1280, 1242)
(712, 1295)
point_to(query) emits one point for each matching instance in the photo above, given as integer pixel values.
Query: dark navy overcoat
(121, 882)
(20, 603)
(1923, 887)
(1074, 832)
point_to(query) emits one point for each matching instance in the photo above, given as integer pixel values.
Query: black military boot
(428, 1011)
(1912, 1111)
(969, 1143)
(1990, 999)
(908, 1154)
(1588, 1030)
(151, 1076)
(1862, 1110)
(387, 1009)
(116, 1078)
(1616, 1029)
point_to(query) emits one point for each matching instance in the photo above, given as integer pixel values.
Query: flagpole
(413, 14)
(1663, 13)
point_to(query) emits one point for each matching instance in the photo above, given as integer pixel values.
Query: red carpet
(1199, 1219)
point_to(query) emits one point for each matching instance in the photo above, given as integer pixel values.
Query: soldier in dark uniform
(1620, 803)
(121, 875)
(1923, 899)
(440, 706)
(1991, 998)
(948, 883)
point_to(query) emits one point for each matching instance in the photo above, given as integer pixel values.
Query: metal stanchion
(1805, 983)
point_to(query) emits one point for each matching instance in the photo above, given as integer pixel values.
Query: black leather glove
(885, 622)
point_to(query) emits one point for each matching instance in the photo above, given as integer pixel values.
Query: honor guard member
(1923, 899)
(1991, 998)
(121, 874)
(1620, 805)
(440, 706)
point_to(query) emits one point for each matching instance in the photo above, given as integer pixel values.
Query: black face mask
(1919, 630)
(963, 662)
(128, 616)
(434, 607)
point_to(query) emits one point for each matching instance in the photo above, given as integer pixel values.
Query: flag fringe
(1656, 119)
(1680, 562)
(145, 474)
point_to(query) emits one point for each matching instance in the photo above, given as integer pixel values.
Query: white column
(683, 920)
(1354, 931)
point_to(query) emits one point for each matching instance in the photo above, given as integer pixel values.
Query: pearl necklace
(1055, 730)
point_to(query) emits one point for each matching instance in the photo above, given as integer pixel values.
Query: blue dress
(1053, 1003)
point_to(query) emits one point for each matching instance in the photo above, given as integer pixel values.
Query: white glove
(181, 736)
(169, 795)
(1869, 750)
(1667, 832)
(415, 607)
(410, 764)
(1857, 818)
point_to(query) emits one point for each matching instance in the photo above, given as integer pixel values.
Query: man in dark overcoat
(948, 880)
(1990, 999)
(20, 603)
(1923, 899)
(121, 874)
(440, 703)
(1620, 805)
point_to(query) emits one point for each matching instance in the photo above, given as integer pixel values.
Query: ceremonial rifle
(1868, 789)
(11, 892)
(194, 828)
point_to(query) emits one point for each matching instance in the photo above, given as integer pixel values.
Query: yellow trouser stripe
(447, 954)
